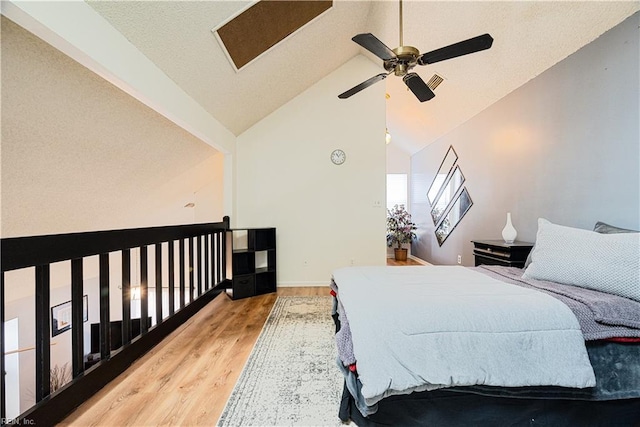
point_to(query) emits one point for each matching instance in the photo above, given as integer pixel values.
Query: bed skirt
(445, 408)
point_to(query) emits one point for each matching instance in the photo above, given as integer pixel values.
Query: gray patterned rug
(291, 377)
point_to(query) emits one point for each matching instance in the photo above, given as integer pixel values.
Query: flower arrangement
(400, 229)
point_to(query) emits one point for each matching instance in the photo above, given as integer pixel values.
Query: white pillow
(604, 262)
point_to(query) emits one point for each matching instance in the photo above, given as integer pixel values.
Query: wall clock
(338, 157)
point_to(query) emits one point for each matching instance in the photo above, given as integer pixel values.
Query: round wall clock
(338, 157)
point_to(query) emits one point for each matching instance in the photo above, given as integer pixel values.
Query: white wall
(324, 214)
(565, 146)
(398, 161)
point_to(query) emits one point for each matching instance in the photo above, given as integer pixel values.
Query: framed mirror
(443, 171)
(453, 216)
(450, 188)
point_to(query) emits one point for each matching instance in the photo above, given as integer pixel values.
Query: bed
(449, 345)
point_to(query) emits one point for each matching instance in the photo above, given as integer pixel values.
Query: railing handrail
(22, 252)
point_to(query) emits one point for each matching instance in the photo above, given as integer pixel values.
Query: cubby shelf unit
(252, 268)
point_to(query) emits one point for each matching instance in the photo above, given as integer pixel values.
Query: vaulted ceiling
(529, 38)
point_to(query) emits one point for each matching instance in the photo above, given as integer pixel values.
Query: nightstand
(497, 252)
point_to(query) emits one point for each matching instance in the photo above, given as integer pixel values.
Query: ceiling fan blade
(465, 47)
(375, 46)
(365, 84)
(418, 87)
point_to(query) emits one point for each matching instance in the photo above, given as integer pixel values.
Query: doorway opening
(397, 194)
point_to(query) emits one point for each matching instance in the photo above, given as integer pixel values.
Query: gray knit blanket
(600, 315)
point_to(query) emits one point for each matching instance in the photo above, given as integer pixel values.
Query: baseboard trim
(418, 260)
(414, 258)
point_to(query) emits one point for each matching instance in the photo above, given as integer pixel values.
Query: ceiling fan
(402, 59)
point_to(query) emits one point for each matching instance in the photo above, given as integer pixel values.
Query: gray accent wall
(565, 146)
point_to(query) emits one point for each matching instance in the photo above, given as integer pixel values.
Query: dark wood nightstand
(497, 252)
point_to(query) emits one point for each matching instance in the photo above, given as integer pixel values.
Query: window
(396, 189)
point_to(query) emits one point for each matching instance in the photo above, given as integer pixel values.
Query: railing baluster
(43, 337)
(144, 305)
(191, 272)
(105, 321)
(207, 280)
(219, 264)
(158, 283)
(3, 407)
(126, 296)
(77, 335)
(182, 273)
(172, 278)
(214, 258)
(223, 254)
(200, 269)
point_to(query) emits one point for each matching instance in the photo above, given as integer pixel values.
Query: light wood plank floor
(187, 378)
(409, 261)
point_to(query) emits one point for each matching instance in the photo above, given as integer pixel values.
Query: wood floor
(409, 261)
(187, 378)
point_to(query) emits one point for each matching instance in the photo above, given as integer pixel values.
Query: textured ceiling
(177, 37)
(529, 38)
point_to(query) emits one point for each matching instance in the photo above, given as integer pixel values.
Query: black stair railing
(200, 258)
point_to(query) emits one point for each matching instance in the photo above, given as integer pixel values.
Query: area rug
(291, 377)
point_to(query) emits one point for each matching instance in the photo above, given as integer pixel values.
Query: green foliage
(400, 229)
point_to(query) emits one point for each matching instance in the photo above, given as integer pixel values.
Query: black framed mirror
(443, 172)
(450, 188)
(456, 212)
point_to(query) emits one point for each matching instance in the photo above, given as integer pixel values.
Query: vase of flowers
(400, 230)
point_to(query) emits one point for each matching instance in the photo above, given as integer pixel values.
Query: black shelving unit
(251, 265)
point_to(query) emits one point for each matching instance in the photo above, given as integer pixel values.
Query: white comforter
(422, 328)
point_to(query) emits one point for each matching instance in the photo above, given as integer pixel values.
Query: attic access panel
(263, 25)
